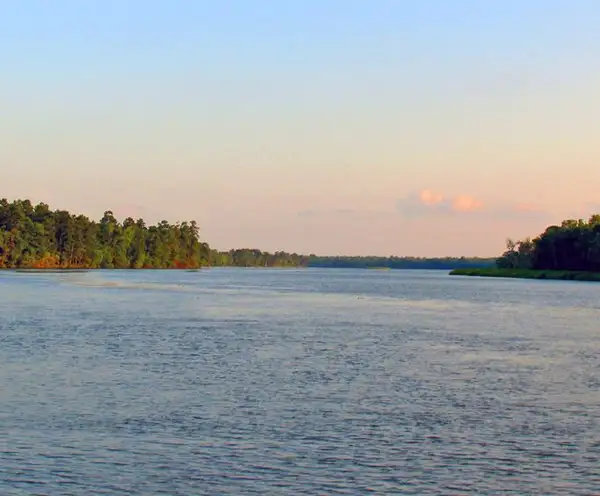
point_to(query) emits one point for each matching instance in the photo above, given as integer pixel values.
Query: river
(313, 381)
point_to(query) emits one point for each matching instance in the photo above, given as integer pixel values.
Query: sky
(373, 127)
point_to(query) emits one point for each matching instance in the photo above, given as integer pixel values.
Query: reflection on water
(233, 381)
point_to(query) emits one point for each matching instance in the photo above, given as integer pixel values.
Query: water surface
(315, 381)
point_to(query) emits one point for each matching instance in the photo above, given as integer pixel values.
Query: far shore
(557, 275)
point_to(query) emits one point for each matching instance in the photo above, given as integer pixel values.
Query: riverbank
(559, 275)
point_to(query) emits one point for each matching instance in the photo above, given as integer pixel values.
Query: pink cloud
(465, 203)
(430, 204)
(427, 202)
(428, 197)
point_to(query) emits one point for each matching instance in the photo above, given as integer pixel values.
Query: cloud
(464, 203)
(430, 198)
(431, 203)
(428, 202)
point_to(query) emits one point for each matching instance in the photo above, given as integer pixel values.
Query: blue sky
(387, 127)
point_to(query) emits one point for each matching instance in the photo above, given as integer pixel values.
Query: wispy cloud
(430, 203)
(465, 203)
(429, 198)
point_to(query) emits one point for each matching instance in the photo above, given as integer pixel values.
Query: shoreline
(204, 267)
(554, 275)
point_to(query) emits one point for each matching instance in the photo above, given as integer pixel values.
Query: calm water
(233, 381)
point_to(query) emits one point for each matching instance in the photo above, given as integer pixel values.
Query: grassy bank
(560, 275)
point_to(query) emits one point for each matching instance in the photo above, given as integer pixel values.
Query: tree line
(445, 263)
(574, 245)
(34, 236)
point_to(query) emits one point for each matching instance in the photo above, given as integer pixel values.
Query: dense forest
(572, 246)
(34, 236)
(38, 237)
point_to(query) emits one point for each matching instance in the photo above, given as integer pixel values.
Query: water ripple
(297, 382)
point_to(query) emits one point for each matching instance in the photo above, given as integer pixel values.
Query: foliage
(447, 263)
(38, 237)
(572, 246)
(247, 257)
(518, 255)
(563, 275)
(34, 236)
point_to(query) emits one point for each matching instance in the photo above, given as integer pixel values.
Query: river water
(257, 381)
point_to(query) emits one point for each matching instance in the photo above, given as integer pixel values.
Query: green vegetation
(39, 238)
(563, 275)
(570, 251)
(246, 257)
(36, 237)
(447, 263)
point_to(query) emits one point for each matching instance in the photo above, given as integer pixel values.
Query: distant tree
(574, 245)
